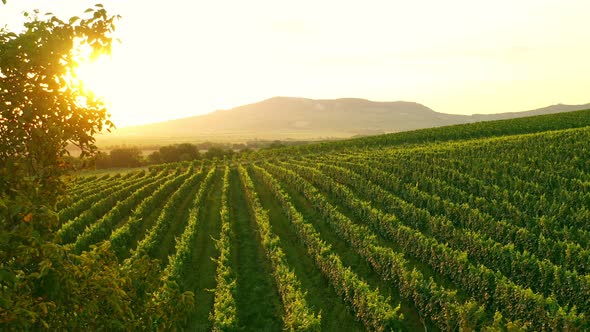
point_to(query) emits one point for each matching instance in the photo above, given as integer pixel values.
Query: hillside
(559, 108)
(484, 129)
(482, 226)
(300, 118)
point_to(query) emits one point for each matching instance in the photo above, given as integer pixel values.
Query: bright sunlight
(95, 76)
(100, 75)
(459, 57)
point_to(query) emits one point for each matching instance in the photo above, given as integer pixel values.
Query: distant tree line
(255, 144)
(133, 156)
(120, 156)
(173, 153)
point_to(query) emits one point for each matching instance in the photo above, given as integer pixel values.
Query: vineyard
(469, 227)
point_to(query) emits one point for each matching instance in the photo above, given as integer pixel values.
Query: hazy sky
(182, 58)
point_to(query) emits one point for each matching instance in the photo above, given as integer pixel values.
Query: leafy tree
(126, 157)
(187, 151)
(155, 158)
(43, 108)
(102, 160)
(175, 153)
(206, 145)
(168, 154)
(238, 146)
(179, 152)
(276, 144)
(217, 152)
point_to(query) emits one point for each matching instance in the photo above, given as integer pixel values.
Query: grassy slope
(526, 125)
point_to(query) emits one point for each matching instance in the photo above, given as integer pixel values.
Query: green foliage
(70, 229)
(52, 288)
(490, 234)
(224, 315)
(41, 109)
(121, 238)
(527, 125)
(125, 157)
(477, 280)
(178, 262)
(42, 284)
(369, 305)
(102, 227)
(218, 152)
(181, 152)
(155, 234)
(101, 160)
(472, 242)
(433, 301)
(39, 114)
(298, 315)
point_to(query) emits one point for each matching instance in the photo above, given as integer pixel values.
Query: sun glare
(99, 75)
(94, 76)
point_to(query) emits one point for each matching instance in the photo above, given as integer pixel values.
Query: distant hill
(559, 108)
(301, 118)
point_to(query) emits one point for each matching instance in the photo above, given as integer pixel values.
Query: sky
(185, 58)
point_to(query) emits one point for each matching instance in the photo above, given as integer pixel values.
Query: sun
(103, 77)
(94, 76)
(92, 73)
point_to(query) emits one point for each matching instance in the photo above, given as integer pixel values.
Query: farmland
(481, 226)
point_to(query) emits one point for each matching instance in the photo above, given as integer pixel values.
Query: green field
(473, 227)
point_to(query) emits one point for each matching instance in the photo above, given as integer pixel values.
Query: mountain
(301, 118)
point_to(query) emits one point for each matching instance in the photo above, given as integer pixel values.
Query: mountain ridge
(304, 118)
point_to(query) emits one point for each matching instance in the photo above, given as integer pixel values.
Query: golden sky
(183, 58)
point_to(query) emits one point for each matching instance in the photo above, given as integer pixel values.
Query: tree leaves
(39, 114)
(74, 20)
